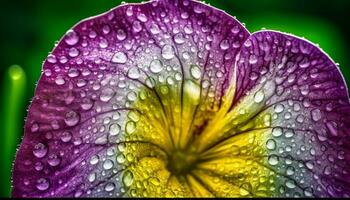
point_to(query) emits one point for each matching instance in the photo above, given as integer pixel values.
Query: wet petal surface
(289, 121)
(119, 94)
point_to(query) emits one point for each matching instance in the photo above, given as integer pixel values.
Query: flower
(177, 99)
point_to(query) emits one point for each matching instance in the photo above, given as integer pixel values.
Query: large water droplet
(40, 150)
(109, 187)
(259, 96)
(54, 160)
(121, 35)
(134, 73)
(94, 160)
(168, 52)
(114, 129)
(66, 136)
(224, 44)
(273, 160)
(316, 114)
(253, 59)
(271, 144)
(108, 164)
(128, 178)
(71, 38)
(71, 118)
(179, 38)
(119, 57)
(130, 127)
(156, 66)
(42, 184)
(195, 71)
(106, 94)
(142, 17)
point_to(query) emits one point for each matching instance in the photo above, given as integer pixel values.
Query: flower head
(177, 99)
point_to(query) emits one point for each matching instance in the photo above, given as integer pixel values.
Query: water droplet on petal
(106, 94)
(179, 38)
(271, 144)
(42, 184)
(142, 17)
(66, 136)
(114, 129)
(40, 150)
(156, 66)
(108, 164)
(119, 57)
(134, 73)
(253, 59)
(130, 127)
(168, 52)
(128, 178)
(224, 44)
(109, 187)
(121, 35)
(273, 160)
(259, 96)
(94, 160)
(279, 108)
(71, 38)
(195, 71)
(54, 160)
(316, 114)
(71, 118)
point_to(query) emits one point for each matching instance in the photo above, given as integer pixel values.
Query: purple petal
(78, 114)
(302, 94)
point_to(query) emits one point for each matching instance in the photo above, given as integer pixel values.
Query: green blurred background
(30, 28)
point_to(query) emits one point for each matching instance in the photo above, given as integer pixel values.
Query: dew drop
(224, 44)
(290, 170)
(195, 71)
(130, 127)
(94, 160)
(156, 66)
(92, 177)
(119, 57)
(106, 94)
(108, 164)
(271, 144)
(316, 114)
(60, 81)
(86, 104)
(109, 187)
(53, 160)
(114, 129)
(66, 136)
(289, 133)
(121, 35)
(168, 52)
(40, 150)
(71, 38)
(290, 184)
(71, 118)
(142, 17)
(259, 96)
(42, 184)
(128, 178)
(179, 38)
(134, 73)
(253, 59)
(273, 160)
(279, 108)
